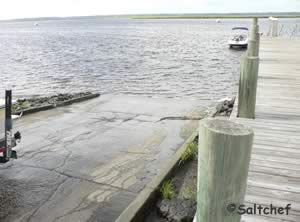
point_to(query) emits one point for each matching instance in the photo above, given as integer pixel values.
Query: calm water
(168, 58)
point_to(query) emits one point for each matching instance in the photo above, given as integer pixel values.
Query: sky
(51, 8)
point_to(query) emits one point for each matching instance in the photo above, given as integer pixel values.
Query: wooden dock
(274, 176)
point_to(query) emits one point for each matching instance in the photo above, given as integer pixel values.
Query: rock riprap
(35, 102)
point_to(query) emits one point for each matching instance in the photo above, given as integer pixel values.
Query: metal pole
(8, 124)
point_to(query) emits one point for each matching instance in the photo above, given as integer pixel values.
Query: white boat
(240, 38)
(36, 24)
(218, 21)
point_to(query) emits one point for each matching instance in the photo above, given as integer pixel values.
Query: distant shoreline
(218, 16)
(199, 17)
(169, 16)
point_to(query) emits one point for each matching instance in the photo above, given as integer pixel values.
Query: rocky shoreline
(30, 105)
(225, 107)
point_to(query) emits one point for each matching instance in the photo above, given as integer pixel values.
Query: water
(166, 58)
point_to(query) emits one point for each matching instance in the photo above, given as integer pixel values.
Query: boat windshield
(239, 37)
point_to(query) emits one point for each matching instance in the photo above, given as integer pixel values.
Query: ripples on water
(169, 58)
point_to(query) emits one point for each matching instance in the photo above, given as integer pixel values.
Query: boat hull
(243, 46)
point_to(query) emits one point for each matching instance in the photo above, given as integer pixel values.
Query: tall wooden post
(249, 75)
(223, 163)
(253, 42)
(257, 44)
(248, 87)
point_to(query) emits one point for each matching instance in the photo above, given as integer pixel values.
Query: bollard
(223, 164)
(248, 87)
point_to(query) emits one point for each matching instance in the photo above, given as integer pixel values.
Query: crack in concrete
(77, 177)
(44, 202)
(129, 118)
(80, 208)
(66, 158)
(124, 120)
(53, 143)
(72, 211)
(41, 149)
(33, 153)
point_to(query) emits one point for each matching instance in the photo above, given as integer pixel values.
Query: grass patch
(190, 152)
(167, 190)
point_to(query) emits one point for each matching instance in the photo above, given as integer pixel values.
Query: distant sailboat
(218, 21)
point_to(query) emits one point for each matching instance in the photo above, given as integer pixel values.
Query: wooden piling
(254, 28)
(248, 86)
(223, 163)
(257, 44)
(252, 47)
(253, 42)
(249, 75)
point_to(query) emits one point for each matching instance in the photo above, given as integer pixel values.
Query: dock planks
(274, 175)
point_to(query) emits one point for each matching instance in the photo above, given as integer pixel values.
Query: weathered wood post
(223, 163)
(253, 42)
(248, 86)
(249, 76)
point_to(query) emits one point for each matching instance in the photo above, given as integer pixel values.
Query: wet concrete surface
(88, 161)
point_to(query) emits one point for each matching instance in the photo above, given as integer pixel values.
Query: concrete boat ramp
(88, 161)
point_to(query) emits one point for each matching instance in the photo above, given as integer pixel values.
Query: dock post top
(225, 127)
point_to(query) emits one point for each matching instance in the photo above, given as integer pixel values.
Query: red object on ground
(2, 149)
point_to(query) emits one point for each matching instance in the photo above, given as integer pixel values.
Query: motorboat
(240, 38)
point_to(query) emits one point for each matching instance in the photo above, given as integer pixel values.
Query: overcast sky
(44, 8)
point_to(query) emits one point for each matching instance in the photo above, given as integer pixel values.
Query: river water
(158, 58)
